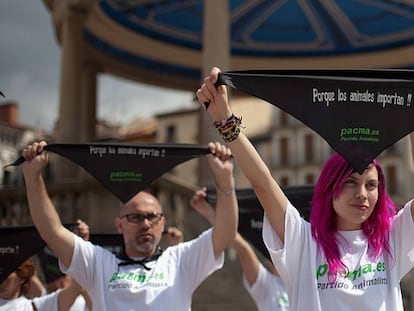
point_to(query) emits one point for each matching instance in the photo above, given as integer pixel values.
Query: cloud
(30, 73)
(29, 54)
(121, 100)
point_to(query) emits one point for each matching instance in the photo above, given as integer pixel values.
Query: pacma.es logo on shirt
(135, 280)
(350, 278)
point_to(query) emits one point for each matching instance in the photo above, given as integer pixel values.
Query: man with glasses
(144, 277)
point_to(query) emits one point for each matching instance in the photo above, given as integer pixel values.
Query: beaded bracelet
(229, 128)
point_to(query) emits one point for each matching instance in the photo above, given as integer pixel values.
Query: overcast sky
(30, 65)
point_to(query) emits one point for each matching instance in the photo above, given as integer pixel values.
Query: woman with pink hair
(355, 249)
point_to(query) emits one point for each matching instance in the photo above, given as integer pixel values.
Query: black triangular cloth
(17, 244)
(359, 112)
(126, 261)
(126, 169)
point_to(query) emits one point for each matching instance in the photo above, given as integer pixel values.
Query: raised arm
(200, 204)
(248, 259)
(267, 190)
(44, 215)
(226, 216)
(82, 230)
(36, 288)
(68, 295)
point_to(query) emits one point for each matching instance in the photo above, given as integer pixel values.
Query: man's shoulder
(203, 238)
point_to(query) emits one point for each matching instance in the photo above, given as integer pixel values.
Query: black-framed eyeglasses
(136, 218)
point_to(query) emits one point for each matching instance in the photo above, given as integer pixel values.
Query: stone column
(88, 102)
(68, 129)
(216, 52)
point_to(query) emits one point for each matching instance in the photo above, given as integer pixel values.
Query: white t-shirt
(169, 284)
(268, 292)
(43, 303)
(79, 304)
(371, 284)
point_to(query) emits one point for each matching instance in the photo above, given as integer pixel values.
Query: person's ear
(118, 225)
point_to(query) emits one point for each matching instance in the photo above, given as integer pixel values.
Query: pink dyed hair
(323, 219)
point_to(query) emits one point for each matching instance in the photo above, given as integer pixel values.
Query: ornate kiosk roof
(160, 42)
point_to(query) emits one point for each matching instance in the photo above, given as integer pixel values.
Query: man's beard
(146, 246)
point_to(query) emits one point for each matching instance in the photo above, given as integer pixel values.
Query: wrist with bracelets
(229, 129)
